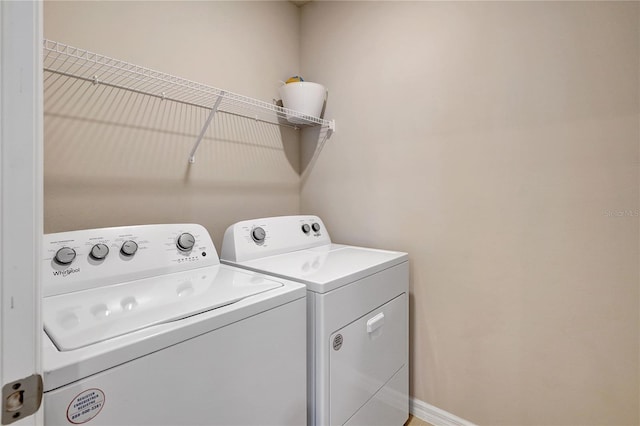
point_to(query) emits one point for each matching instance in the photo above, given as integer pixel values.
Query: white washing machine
(144, 326)
(357, 315)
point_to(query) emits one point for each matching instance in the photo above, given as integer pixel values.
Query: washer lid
(327, 267)
(81, 318)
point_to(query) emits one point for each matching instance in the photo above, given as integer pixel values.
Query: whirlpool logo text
(66, 272)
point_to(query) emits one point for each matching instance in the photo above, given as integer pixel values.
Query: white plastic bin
(304, 97)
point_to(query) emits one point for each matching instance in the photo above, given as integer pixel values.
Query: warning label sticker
(85, 406)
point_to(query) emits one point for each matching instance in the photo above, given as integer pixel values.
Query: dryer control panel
(78, 260)
(253, 239)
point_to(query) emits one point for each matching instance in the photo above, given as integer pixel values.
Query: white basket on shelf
(303, 97)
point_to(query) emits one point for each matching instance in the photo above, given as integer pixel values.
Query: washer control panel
(252, 239)
(77, 260)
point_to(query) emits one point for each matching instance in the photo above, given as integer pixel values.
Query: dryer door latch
(375, 323)
(21, 398)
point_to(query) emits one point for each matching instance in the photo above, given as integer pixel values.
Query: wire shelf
(69, 61)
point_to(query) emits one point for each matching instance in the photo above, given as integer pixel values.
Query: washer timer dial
(185, 242)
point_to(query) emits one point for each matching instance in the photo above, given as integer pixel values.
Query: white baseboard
(434, 415)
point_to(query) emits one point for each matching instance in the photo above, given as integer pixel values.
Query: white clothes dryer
(144, 326)
(357, 315)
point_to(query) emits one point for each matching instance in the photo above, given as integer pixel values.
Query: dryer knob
(65, 255)
(258, 235)
(129, 248)
(99, 251)
(306, 228)
(185, 241)
(315, 227)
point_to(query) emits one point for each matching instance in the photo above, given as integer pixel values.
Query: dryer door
(365, 355)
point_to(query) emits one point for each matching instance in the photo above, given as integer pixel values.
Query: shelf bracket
(331, 128)
(214, 109)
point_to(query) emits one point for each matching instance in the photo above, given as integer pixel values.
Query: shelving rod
(162, 96)
(95, 69)
(192, 156)
(129, 89)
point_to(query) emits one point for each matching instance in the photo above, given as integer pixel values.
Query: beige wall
(113, 158)
(497, 143)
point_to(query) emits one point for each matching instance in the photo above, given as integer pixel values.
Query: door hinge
(21, 398)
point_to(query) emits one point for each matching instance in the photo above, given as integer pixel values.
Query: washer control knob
(185, 241)
(258, 235)
(129, 248)
(306, 228)
(315, 227)
(99, 251)
(65, 255)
